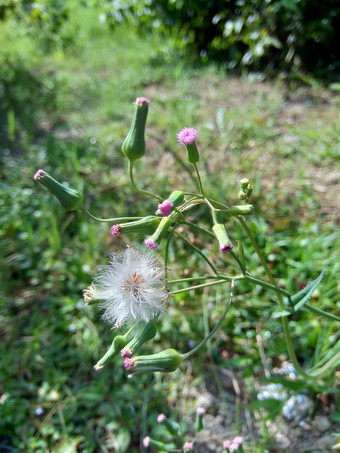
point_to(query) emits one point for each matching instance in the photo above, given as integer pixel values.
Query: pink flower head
(200, 410)
(188, 446)
(165, 207)
(226, 248)
(146, 441)
(115, 230)
(187, 135)
(233, 447)
(98, 368)
(226, 444)
(151, 244)
(128, 364)
(39, 174)
(141, 101)
(238, 440)
(126, 353)
(161, 418)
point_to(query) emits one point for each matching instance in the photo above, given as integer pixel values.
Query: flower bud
(155, 444)
(187, 137)
(246, 189)
(174, 200)
(134, 144)
(173, 427)
(145, 332)
(145, 225)
(200, 411)
(70, 199)
(117, 345)
(160, 232)
(165, 361)
(244, 209)
(222, 237)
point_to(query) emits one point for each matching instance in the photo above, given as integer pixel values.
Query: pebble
(297, 408)
(321, 423)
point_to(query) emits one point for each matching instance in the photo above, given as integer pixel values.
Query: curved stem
(207, 338)
(289, 342)
(318, 311)
(203, 285)
(144, 192)
(114, 219)
(198, 251)
(199, 179)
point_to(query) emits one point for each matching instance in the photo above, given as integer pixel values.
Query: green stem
(266, 285)
(207, 338)
(199, 179)
(190, 279)
(144, 192)
(285, 324)
(320, 312)
(114, 219)
(198, 251)
(203, 285)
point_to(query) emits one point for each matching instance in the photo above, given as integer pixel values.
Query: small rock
(297, 408)
(326, 441)
(321, 423)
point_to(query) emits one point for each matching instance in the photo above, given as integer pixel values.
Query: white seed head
(130, 287)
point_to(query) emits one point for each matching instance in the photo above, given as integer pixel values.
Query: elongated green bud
(155, 444)
(145, 332)
(245, 209)
(223, 238)
(117, 345)
(70, 199)
(175, 199)
(173, 427)
(162, 229)
(134, 144)
(165, 361)
(200, 411)
(145, 226)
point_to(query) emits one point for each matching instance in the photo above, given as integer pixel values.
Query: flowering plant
(133, 290)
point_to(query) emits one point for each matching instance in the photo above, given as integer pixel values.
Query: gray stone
(321, 423)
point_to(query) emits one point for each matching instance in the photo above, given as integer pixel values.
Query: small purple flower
(191, 344)
(39, 174)
(72, 327)
(141, 101)
(39, 410)
(115, 230)
(187, 135)
(126, 353)
(151, 244)
(200, 410)
(165, 207)
(128, 364)
(226, 248)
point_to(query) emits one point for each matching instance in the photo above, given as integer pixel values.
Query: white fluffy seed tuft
(130, 288)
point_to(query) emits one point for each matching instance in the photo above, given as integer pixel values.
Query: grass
(68, 112)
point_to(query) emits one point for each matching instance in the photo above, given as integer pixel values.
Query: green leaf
(299, 299)
(241, 255)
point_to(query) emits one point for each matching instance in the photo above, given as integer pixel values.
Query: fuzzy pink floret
(226, 248)
(141, 101)
(115, 230)
(161, 418)
(39, 174)
(126, 353)
(200, 410)
(233, 447)
(151, 244)
(165, 207)
(146, 441)
(226, 444)
(188, 446)
(238, 440)
(98, 368)
(128, 364)
(187, 135)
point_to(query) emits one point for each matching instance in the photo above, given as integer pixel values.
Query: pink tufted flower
(165, 207)
(187, 135)
(226, 248)
(128, 364)
(151, 244)
(126, 353)
(146, 441)
(200, 410)
(226, 444)
(141, 101)
(39, 174)
(161, 418)
(238, 440)
(115, 230)
(188, 446)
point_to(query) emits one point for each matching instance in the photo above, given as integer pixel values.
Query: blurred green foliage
(255, 35)
(68, 111)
